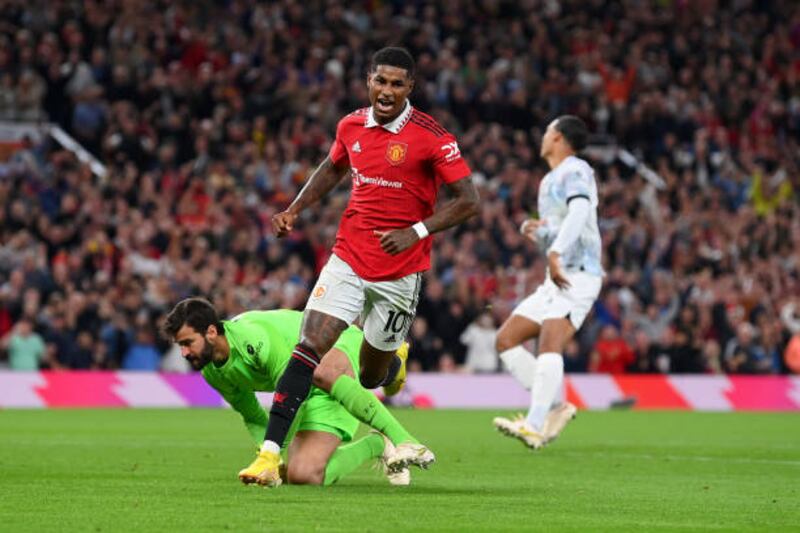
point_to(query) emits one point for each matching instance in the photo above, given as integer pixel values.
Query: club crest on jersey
(396, 152)
(319, 291)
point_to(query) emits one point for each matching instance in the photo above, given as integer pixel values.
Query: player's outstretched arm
(462, 206)
(322, 180)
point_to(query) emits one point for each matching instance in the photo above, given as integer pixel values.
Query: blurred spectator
(790, 315)
(142, 355)
(26, 349)
(712, 361)
(60, 342)
(791, 356)
(424, 346)
(611, 354)
(447, 364)
(479, 338)
(743, 355)
(655, 320)
(642, 350)
(574, 360)
(82, 355)
(115, 337)
(686, 357)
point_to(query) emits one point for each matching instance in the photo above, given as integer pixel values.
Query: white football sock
(547, 381)
(521, 364)
(560, 395)
(270, 446)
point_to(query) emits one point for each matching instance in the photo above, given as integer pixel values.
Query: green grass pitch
(175, 470)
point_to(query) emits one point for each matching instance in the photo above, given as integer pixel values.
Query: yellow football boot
(265, 470)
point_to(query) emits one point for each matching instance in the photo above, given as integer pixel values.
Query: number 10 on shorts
(397, 321)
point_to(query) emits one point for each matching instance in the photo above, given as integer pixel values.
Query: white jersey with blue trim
(572, 178)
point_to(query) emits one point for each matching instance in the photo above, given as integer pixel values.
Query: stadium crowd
(210, 115)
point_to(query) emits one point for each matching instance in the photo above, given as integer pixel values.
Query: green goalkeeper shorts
(320, 412)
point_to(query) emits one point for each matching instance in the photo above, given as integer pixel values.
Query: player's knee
(325, 376)
(301, 473)
(503, 342)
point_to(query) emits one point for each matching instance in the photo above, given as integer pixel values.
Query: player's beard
(204, 357)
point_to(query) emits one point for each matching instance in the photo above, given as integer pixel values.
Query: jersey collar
(394, 126)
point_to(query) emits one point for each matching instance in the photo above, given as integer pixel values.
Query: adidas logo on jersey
(356, 147)
(390, 338)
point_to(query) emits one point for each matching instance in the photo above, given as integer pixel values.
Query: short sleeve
(448, 164)
(247, 336)
(338, 152)
(577, 184)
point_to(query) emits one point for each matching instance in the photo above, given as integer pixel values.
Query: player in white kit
(567, 232)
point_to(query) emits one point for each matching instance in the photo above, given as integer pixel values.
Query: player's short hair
(197, 313)
(574, 131)
(394, 56)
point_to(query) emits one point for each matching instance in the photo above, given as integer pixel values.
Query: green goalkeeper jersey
(261, 344)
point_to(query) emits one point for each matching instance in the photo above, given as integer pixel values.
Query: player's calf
(375, 365)
(290, 393)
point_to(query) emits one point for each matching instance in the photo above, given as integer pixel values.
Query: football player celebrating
(397, 157)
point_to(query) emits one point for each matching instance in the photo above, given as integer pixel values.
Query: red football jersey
(396, 169)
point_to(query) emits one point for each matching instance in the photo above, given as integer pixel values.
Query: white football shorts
(386, 308)
(548, 301)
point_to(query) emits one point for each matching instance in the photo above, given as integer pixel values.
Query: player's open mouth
(384, 105)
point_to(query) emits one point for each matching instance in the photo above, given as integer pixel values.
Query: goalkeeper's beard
(204, 357)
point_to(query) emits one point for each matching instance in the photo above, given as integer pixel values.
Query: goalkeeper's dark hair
(393, 56)
(574, 131)
(197, 313)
